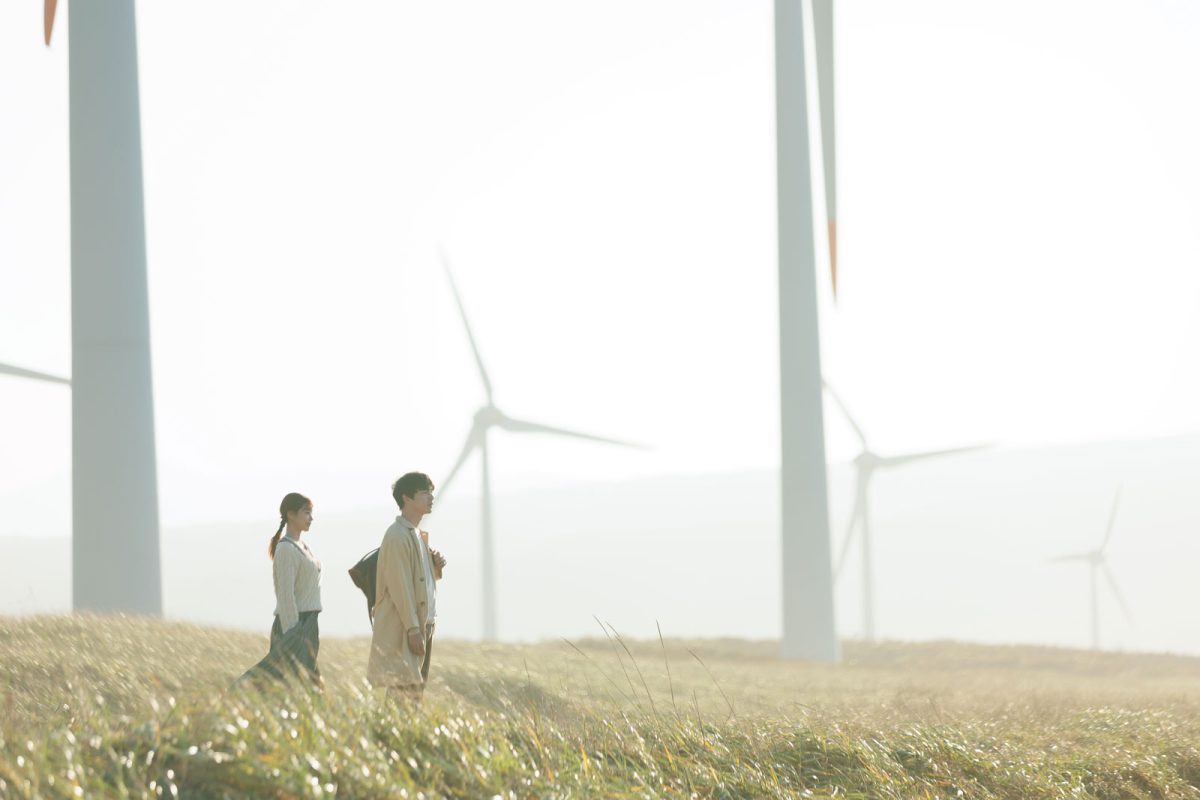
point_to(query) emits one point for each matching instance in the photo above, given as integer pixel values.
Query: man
(405, 594)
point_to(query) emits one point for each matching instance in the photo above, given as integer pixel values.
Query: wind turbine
(487, 417)
(865, 466)
(115, 542)
(809, 631)
(1097, 562)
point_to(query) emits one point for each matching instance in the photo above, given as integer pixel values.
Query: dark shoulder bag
(363, 575)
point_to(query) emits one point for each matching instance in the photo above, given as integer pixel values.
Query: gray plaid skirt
(293, 653)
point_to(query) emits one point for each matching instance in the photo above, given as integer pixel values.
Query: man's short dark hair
(408, 485)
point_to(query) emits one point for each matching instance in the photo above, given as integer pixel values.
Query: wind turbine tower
(487, 417)
(115, 541)
(809, 631)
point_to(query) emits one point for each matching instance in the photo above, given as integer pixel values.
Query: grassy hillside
(106, 707)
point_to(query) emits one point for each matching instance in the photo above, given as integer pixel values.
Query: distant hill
(960, 553)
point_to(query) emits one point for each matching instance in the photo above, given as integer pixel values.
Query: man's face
(421, 502)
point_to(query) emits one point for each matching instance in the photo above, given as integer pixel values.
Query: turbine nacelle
(489, 416)
(868, 460)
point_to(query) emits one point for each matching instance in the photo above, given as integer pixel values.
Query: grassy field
(110, 707)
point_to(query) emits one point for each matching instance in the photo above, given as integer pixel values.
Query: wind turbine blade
(462, 312)
(522, 426)
(28, 373)
(1112, 521)
(468, 447)
(1067, 558)
(1116, 590)
(855, 514)
(862, 437)
(48, 18)
(895, 461)
(823, 39)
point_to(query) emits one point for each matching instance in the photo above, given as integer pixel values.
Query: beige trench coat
(401, 605)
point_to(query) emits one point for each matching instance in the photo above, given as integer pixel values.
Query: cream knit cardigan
(297, 582)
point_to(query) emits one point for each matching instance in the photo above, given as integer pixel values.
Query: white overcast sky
(1019, 237)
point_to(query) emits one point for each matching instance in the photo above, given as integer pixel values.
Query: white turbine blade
(1116, 590)
(847, 537)
(823, 40)
(1112, 521)
(895, 461)
(1071, 557)
(468, 448)
(28, 373)
(462, 312)
(862, 437)
(521, 426)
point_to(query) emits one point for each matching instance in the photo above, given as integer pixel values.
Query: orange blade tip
(48, 21)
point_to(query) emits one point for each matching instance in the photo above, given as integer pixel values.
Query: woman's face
(301, 520)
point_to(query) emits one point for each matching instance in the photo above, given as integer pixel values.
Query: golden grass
(116, 707)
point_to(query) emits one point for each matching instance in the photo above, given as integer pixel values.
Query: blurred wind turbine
(1097, 562)
(486, 418)
(115, 543)
(865, 465)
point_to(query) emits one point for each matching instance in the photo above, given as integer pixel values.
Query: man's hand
(416, 642)
(439, 560)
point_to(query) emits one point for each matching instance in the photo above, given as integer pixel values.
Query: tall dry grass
(113, 707)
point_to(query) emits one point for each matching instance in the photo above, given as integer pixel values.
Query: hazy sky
(1019, 237)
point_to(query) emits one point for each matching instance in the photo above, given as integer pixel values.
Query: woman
(295, 638)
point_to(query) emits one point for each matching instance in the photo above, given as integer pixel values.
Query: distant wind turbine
(865, 465)
(487, 417)
(1097, 562)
